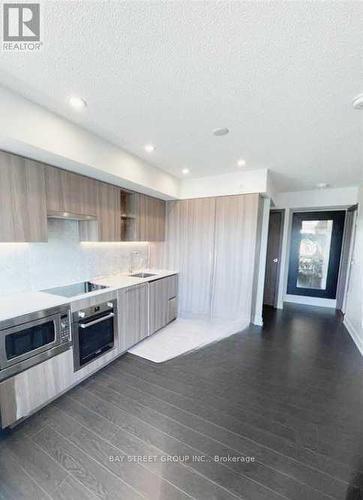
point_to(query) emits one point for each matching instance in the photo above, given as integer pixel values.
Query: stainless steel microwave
(32, 338)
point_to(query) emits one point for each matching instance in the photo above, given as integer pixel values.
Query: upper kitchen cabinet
(155, 210)
(79, 196)
(31, 192)
(108, 212)
(23, 214)
(142, 217)
(107, 227)
(71, 193)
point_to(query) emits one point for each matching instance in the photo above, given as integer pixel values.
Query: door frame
(353, 210)
(335, 253)
(278, 272)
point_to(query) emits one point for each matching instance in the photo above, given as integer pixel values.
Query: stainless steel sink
(142, 275)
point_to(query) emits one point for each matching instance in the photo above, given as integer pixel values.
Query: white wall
(285, 247)
(317, 198)
(261, 263)
(31, 130)
(239, 182)
(353, 318)
(63, 260)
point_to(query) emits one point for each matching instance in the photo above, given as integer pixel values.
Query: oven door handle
(91, 323)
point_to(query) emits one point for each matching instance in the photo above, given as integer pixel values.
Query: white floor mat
(185, 335)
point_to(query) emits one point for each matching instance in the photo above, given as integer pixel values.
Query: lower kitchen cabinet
(133, 315)
(28, 391)
(162, 302)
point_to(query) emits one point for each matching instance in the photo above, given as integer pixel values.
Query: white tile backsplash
(63, 259)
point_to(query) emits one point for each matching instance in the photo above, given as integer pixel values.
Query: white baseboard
(310, 301)
(354, 334)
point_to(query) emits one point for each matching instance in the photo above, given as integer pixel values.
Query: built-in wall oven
(30, 339)
(94, 332)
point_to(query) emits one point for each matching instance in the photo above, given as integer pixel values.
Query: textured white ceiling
(280, 75)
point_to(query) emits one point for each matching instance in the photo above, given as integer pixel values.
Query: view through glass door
(316, 243)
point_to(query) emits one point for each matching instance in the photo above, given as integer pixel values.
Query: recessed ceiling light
(241, 163)
(77, 103)
(220, 131)
(185, 171)
(358, 102)
(149, 148)
(322, 185)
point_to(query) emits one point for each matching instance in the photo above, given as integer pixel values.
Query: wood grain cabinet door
(54, 189)
(88, 196)
(109, 212)
(35, 387)
(133, 315)
(104, 200)
(156, 219)
(23, 215)
(62, 190)
(189, 248)
(128, 216)
(162, 302)
(143, 218)
(141, 213)
(172, 282)
(158, 305)
(150, 218)
(70, 192)
(235, 251)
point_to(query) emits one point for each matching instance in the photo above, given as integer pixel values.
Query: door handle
(275, 260)
(91, 323)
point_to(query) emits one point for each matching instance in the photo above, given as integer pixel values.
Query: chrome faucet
(135, 260)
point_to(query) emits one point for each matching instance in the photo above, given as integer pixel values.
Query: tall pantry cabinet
(212, 242)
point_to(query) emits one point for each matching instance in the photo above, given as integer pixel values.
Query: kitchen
(66, 332)
(181, 250)
(105, 318)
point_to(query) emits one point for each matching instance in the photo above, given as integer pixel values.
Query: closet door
(234, 260)
(189, 247)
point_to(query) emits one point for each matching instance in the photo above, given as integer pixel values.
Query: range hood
(54, 214)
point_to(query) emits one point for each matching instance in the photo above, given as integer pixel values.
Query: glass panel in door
(314, 253)
(315, 249)
(95, 339)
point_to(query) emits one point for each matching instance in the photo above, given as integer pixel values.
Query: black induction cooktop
(74, 289)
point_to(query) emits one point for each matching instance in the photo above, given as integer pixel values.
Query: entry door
(316, 243)
(273, 258)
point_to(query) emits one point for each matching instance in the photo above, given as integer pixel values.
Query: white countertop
(124, 280)
(19, 304)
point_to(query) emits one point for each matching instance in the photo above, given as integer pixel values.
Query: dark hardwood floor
(265, 414)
